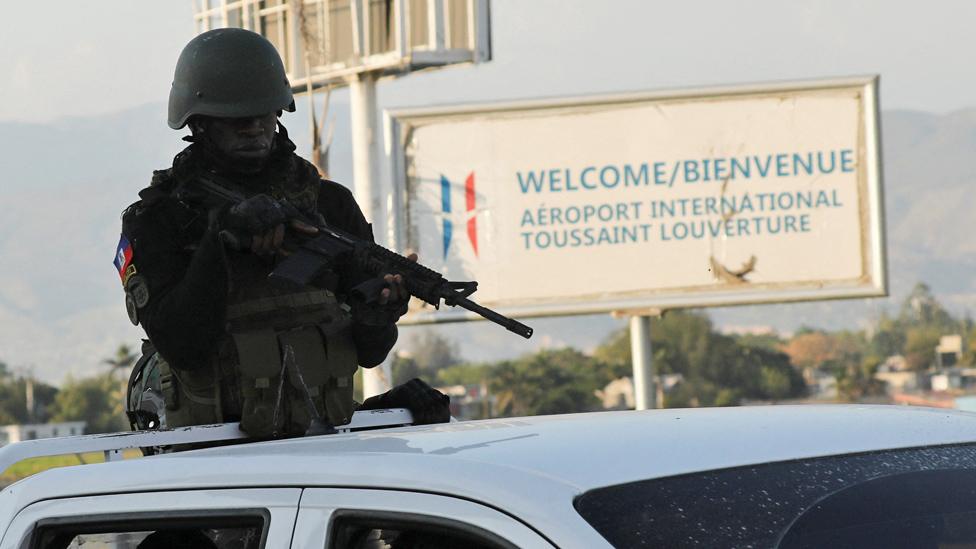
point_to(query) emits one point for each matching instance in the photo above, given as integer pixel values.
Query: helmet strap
(282, 140)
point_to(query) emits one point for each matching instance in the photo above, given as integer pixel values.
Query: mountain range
(64, 185)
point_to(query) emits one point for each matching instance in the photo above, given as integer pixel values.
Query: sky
(88, 58)
(68, 58)
(68, 61)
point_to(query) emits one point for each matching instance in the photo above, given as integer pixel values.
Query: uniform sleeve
(340, 209)
(337, 205)
(187, 282)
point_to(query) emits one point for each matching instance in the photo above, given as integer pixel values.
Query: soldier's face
(248, 139)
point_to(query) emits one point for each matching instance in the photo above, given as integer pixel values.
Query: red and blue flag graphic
(469, 198)
(123, 258)
(447, 225)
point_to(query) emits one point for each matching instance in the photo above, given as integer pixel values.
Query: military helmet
(228, 73)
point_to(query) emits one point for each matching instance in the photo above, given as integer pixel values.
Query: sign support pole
(643, 360)
(365, 136)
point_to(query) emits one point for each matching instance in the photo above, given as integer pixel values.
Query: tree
(464, 374)
(429, 352)
(677, 339)
(854, 384)
(614, 352)
(120, 366)
(889, 338)
(921, 308)
(771, 341)
(775, 383)
(920, 344)
(432, 351)
(122, 361)
(718, 370)
(13, 401)
(819, 349)
(94, 400)
(548, 382)
(969, 346)
(811, 349)
(404, 368)
(754, 373)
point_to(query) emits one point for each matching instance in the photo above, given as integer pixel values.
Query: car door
(249, 518)
(344, 518)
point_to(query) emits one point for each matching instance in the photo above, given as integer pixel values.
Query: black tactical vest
(281, 346)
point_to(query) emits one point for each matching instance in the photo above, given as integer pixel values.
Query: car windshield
(913, 498)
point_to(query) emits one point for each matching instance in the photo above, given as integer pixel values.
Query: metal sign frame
(873, 283)
(279, 21)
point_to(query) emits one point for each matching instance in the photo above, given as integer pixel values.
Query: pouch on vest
(190, 395)
(158, 397)
(342, 363)
(325, 367)
(285, 312)
(259, 360)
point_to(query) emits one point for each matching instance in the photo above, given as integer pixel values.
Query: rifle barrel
(509, 324)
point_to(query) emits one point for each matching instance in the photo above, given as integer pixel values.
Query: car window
(925, 495)
(925, 509)
(145, 531)
(168, 538)
(331, 518)
(353, 530)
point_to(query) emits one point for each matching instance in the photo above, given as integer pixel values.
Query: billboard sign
(750, 194)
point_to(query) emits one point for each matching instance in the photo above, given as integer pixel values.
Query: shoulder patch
(138, 288)
(131, 309)
(123, 260)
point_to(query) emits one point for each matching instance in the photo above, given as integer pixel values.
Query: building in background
(949, 351)
(470, 401)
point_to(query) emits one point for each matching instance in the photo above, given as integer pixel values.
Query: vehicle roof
(524, 463)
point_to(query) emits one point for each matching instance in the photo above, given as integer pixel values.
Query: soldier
(196, 274)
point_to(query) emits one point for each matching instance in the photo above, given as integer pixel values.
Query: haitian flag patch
(123, 260)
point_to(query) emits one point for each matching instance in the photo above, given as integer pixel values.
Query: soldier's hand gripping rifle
(332, 246)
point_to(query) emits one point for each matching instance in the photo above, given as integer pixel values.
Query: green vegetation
(704, 367)
(717, 369)
(96, 400)
(33, 466)
(854, 357)
(711, 369)
(13, 399)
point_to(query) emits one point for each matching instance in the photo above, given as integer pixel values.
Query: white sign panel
(697, 198)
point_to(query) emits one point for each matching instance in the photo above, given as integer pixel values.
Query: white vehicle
(775, 476)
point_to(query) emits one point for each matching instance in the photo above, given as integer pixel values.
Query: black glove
(252, 217)
(368, 311)
(377, 315)
(426, 404)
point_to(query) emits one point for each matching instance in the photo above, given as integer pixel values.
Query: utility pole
(643, 362)
(29, 397)
(365, 168)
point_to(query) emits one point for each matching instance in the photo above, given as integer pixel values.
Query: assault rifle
(331, 246)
